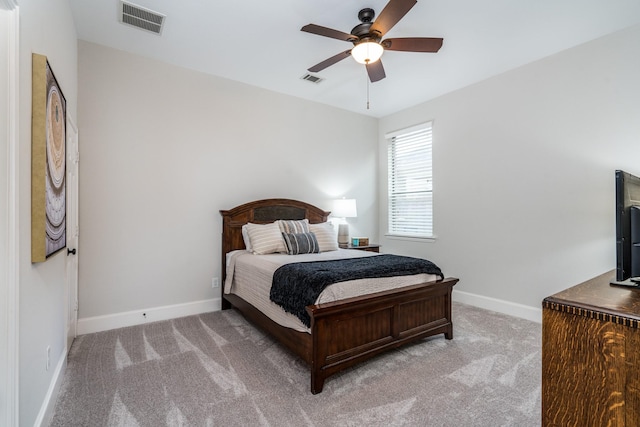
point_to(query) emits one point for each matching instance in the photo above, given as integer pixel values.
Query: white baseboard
(49, 403)
(130, 318)
(501, 306)
(89, 325)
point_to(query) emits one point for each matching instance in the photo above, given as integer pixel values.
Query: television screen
(627, 226)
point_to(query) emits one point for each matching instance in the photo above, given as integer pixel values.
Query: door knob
(71, 251)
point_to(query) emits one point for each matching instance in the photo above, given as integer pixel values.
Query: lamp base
(343, 235)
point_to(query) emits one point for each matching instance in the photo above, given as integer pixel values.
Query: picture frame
(48, 162)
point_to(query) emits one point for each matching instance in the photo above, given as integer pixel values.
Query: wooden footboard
(350, 331)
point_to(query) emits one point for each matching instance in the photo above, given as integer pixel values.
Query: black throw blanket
(299, 284)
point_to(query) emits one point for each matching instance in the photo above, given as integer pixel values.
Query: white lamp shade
(367, 52)
(344, 208)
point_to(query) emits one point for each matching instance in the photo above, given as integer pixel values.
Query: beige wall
(163, 149)
(524, 172)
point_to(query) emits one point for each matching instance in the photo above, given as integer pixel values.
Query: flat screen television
(627, 226)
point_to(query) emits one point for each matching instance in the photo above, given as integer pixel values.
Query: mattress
(249, 276)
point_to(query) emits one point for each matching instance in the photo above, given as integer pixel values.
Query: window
(410, 195)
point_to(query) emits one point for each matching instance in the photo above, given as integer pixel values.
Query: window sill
(430, 239)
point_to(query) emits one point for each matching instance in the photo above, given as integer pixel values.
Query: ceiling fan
(367, 39)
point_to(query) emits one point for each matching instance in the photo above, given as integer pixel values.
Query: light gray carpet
(217, 370)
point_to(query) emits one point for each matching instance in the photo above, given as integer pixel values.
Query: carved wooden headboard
(262, 212)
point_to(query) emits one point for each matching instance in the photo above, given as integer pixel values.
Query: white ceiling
(259, 42)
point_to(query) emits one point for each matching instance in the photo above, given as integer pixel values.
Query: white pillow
(326, 236)
(245, 237)
(265, 238)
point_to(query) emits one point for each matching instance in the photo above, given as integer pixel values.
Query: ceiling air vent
(311, 78)
(140, 17)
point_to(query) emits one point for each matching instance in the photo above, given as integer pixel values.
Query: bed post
(317, 359)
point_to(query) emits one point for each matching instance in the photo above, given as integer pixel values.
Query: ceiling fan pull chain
(367, 78)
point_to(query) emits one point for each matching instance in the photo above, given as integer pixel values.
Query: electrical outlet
(48, 357)
(215, 283)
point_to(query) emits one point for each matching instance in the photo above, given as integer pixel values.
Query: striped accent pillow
(265, 238)
(301, 243)
(326, 235)
(294, 226)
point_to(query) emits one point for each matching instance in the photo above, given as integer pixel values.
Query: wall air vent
(140, 17)
(311, 78)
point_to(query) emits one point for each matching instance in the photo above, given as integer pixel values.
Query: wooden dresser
(591, 355)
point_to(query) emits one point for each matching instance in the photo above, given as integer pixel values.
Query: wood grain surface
(590, 345)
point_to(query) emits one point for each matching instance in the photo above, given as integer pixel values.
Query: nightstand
(370, 248)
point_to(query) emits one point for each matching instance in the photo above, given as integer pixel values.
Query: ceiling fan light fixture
(367, 52)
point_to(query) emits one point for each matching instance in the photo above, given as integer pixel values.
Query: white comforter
(249, 276)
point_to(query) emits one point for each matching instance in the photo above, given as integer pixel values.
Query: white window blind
(410, 182)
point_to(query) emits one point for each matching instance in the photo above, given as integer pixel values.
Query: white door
(73, 158)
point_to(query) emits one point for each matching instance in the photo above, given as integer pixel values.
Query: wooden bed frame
(346, 332)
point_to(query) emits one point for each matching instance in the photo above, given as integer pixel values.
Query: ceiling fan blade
(328, 32)
(391, 14)
(413, 44)
(376, 71)
(328, 62)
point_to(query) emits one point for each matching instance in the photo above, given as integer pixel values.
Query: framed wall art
(48, 162)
